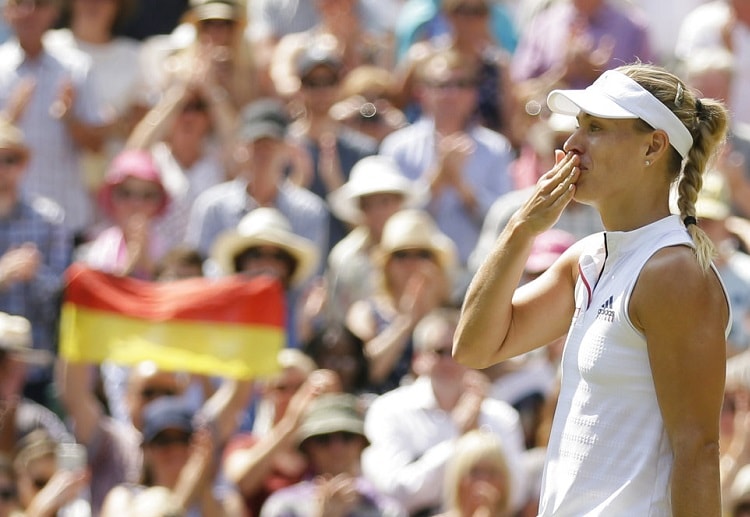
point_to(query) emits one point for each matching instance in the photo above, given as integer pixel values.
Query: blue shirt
(38, 221)
(485, 171)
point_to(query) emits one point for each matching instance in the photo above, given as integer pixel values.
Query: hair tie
(698, 108)
(690, 220)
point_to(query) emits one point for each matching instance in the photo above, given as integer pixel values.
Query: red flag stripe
(258, 300)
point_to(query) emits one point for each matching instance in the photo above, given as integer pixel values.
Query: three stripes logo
(606, 312)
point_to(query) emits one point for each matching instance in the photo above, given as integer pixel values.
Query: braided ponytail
(707, 121)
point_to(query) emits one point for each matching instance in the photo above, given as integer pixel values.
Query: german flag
(229, 327)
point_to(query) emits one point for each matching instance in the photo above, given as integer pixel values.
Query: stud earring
(648, 163)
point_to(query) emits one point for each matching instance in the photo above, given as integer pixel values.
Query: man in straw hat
(263, 243)
(35, 249)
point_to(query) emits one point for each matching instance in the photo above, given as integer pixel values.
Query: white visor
(615, 95)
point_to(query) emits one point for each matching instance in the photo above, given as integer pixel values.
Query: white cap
(615, 95)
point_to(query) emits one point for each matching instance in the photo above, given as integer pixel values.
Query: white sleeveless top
(608, 452)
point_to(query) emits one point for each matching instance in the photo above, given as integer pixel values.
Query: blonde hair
(471, 448)
(707, 121)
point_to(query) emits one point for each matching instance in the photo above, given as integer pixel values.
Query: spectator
(178, 263)
(260, 157)
(35, 249)
(464, 164)
(375, 191)
(336, 348)
(44, 485)
(414, 265)
(414, 428)
(332, 147)
(723, 24)
(470, 36)
(51, 96)
(179, 456)
(712, 210)
(93, 28)
(266, 460)
(20, 416)
(422, 20)
(477, 479)
(185, 132)
(367, 102)
(264, 244)
(209, 42)
(573, 41)
(114, 447)
(133, 197)
(332, 437)
(339, 32)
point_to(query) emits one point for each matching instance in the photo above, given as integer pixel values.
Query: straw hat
(12, 138)
(15, 339)
(372, 175)
(413, 228)
(266, 226)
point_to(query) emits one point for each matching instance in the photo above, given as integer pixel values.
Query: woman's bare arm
(683, 313)
(498, 320)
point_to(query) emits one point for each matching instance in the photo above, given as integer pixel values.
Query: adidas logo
(606, 312)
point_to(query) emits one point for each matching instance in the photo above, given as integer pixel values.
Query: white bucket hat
(15, 340)
(413, 228)
(373, 175)
(266, 226)
(615, 95)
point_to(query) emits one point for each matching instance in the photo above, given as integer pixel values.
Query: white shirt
(412, 439)
(609, 453)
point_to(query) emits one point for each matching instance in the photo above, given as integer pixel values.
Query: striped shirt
(38, 222)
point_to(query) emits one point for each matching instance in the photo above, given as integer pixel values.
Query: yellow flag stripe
(229, 350)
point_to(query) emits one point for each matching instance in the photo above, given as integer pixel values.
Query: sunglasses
(167, 439)
(259, 253)
(471, 10)
(216, 23)
(151, 393)
(413, 254)
(195, 107)
(442, 353)
(314, 83)
(40, 483)
(7, 493)
(454, 84)
(325, 440)
(148, 195)
(10, 160)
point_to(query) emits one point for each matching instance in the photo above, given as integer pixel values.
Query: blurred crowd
(366, 153)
